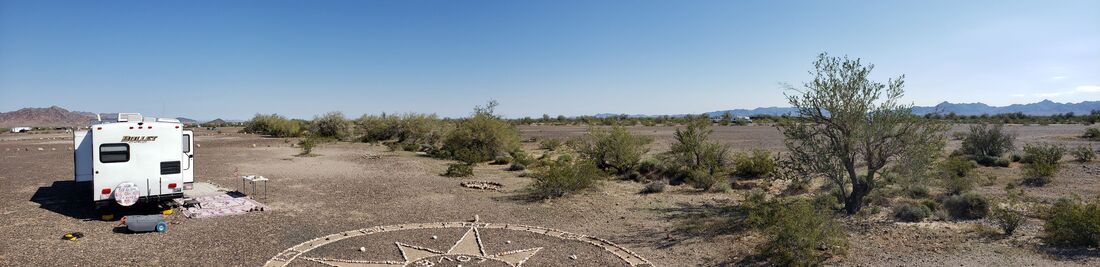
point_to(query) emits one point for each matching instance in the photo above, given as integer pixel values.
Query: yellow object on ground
(107, 217)
(167, 212)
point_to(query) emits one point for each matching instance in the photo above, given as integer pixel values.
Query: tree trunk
(855, 200)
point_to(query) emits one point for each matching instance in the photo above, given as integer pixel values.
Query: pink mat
(219, 205)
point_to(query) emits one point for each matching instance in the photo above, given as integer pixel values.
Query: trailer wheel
(162, 227)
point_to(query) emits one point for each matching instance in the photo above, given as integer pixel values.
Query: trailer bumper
(103, 203)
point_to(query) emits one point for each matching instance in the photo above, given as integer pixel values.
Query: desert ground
(353, 186)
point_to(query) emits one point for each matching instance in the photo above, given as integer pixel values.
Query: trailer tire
(162, 227)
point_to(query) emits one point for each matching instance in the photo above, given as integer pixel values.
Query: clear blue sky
(232, 59)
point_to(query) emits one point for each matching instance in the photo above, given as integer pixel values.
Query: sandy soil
(354, 186)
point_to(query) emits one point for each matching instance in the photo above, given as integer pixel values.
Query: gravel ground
(354, 186)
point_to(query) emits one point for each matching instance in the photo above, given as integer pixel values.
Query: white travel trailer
(134, 159)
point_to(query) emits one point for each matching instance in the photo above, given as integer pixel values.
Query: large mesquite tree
(849, 127)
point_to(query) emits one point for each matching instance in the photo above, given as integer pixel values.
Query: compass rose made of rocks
(552, 247)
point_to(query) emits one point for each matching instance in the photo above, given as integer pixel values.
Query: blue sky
(232, 59)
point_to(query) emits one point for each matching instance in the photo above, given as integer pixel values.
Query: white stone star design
(467, 250)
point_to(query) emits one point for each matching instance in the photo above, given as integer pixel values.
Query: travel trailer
(134, 159)
(20, 129)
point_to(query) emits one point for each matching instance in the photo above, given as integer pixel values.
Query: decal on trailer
(138, 139)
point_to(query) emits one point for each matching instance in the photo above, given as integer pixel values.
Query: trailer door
(82, 155)
(188, 160)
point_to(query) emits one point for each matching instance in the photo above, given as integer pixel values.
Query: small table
(253, 179)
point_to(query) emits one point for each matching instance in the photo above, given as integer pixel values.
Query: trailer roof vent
(167, 120)
(125, 117)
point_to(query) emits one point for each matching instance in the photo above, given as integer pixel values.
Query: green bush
(406, 129)
(966, 206)
(1092, 134)
(1041, 163)
(955, 174)
(560, 178)
(550, 144)
(1073, 224)
(986, 143)
(459, 170)
(273, 125)
(912, 212)
(1006, 219)
(331, 125)
(516, 166)
(697, 160)
(1083, 154)
(800, 235)
(307, 145)
(480, 138)
(756, 164)
(614, 149)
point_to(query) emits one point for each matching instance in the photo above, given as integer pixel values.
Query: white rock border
(287, 256)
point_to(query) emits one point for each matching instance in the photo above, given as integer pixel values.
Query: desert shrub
(966, 206)
(919, 191)
(700, 162)
(1083, 154)
(502, 160)
(1073, 224)
(614, 149)
(654, 187)
(1006, 219)
(560, 178)
(914, 168)
(480, 138)
(410, 128)
(460, 169)
(985, 143)
(955, 174)
(756, 164)
(912, 212)
(1041, 163)
(800, 235)
(931, 204)
(273, 125)
(1092, 134)
(1016, 157)
(516, 166)
(306, 146)
(521, 157)
(331, 125)
(550, 144)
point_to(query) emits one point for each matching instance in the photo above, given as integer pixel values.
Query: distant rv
(20, 129)
(134, 159)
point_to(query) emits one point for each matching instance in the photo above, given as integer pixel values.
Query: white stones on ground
(253, 145)
(573, 257)
(53, 149)
(40, 149)
(197, 145)
(362, 249)
(435, 237)
(508, 242)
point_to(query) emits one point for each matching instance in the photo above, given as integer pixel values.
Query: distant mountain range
(1042, 108)
(56, 117)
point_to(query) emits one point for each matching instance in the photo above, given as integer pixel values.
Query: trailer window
(110, 153)
(187, 143)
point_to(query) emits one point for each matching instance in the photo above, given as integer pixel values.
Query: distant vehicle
(134, 159)
(20, 129)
